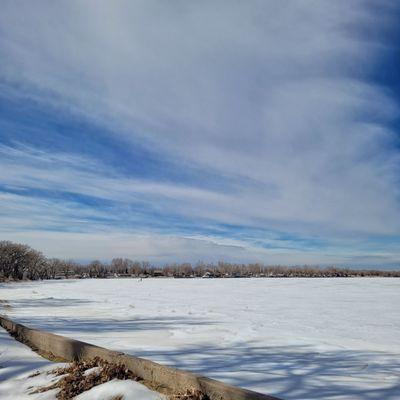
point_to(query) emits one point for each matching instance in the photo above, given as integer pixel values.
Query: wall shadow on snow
(70, 326)
(47, 302)
(292, 372)
(11, 367)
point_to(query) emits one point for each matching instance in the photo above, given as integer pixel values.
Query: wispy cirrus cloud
(265, 116)
(69, 202)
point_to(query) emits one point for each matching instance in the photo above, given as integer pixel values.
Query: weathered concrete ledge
(63, 348)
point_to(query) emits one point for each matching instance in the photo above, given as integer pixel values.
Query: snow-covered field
(294, 338)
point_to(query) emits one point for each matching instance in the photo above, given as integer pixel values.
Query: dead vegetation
(81, 376)
(75, 379)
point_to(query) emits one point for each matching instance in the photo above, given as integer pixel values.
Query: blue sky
(260, 131)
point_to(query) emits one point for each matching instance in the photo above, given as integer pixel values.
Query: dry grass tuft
(76, 381)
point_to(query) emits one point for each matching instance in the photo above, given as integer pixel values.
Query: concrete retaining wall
(63, 348)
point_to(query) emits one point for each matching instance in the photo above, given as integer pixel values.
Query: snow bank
(17, 363)
(127, 389)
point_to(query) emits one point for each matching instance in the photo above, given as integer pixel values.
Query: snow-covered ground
(294, 338)
(17, 363)
(22, 372)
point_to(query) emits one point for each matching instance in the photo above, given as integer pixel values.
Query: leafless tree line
(19, 261)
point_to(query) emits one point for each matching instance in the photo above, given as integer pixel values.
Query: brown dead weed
(76, 378)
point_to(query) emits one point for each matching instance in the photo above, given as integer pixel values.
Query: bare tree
(97, 269)
(17, 260)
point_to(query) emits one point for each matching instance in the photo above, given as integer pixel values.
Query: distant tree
(55, 266)
(97, 269)
(135, 268)
(121, 265)
(17, 260)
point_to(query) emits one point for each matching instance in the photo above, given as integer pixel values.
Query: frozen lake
(293, 338)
